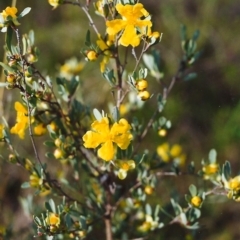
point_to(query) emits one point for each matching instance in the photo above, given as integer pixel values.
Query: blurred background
(205, 112)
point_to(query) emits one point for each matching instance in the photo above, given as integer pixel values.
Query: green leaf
(190, 76)
(227, 170)
(193, 214)
(52, 204)
(49, 155)
(212, 156)
(161, 103)
(183, 32)
(31, 37)
(191, 168)
(68, 220)
(168, 124)
(97, 114)
(152, 61)
(148, 209)
(6, 67)
(37, 220)
(24, 12)
(115, 114)
(2, 84)
(196, 34)
(157, 210)
(109, 76)
(24, 45)
(193, 190)
(9, 38)
(176, 207)
(88, 39)
(82, 220)
(25, 185)
(49, 144)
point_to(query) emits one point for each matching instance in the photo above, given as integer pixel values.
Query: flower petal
(122, 174)
(107, 151)
(92, 139)
(120, 134)
(115, 26)
(102, 126)
(130, 37)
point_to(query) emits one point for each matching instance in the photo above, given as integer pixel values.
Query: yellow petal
(19, 107)
(92, 139)
(122, 174)
(107, 151)
(102, 126)
(115, 26)
(120, 134)
(130, 37)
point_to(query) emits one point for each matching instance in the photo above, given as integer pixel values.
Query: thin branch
(85, 9)
(26, 97)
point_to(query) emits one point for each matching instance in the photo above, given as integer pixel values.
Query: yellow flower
(132, 24)
(163, 152)
(40, 129)
(21, 122)
(211, 168)
(71, 67)
(28, 164)
(174, 153)
(234, 183)
(1, 131)
(124, 166)
(148, 224)
(54, 3)
(175, 150)
(104, 47)
(9, 14)
(196, 201)
(35, 181)
(105, 135)
(53, 219)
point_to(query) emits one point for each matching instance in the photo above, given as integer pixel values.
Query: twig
(85, 9)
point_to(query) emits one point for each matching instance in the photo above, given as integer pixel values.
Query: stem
(108, 223)
(26, 97)
(2, 78)
(166, 92)
(119, 75)
(85, 9)
(140, 57)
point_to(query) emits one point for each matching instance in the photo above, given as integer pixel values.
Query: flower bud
(58, 142)
(58, 153)
(141, 85)
(144, 95)
(92, 55)
(12, 158)
(148, 190)
(196, 201)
